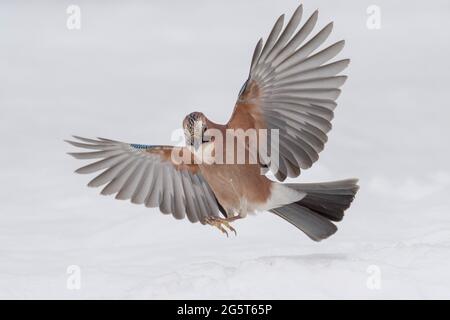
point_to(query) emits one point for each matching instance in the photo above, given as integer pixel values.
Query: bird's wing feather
(292, 87)
(150, 175)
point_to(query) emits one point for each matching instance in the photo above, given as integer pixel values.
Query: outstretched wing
(292, 87)
(148, 175)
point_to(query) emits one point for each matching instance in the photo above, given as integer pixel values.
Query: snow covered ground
(135, 69)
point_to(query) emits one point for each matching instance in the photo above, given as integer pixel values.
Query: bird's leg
(222, 223)
(233, 218)
(215, 222)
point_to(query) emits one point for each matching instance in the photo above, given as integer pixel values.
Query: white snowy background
(135, 69)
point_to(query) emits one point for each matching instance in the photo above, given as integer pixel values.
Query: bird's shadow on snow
(315, 258)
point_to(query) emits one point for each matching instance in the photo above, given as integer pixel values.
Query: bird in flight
(290, 96)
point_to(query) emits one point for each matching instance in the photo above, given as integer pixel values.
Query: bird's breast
(238, 188)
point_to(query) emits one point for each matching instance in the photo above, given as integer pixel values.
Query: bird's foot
(221, 224)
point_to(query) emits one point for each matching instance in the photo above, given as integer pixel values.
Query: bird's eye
(205, 138)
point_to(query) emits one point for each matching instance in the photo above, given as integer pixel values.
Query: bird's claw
(220, 224)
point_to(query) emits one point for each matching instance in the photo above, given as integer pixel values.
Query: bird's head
(195, 126)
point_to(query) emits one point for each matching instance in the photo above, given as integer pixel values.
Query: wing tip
(81, 171)
(134, 200)
(105, 192)
(69, 142)
(340, 43)
(120, 197)
(73, 154)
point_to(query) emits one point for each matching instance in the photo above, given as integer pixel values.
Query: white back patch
(282, 195)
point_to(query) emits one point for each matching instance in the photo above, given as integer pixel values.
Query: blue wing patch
(140, 146)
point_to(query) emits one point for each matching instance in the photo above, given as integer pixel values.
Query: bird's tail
(324, 202)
